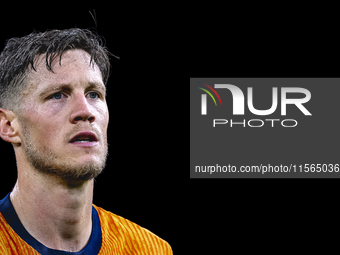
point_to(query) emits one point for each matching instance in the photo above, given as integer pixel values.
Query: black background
(137, 183)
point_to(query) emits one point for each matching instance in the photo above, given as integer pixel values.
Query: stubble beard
(47, 162)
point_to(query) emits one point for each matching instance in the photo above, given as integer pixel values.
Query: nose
(81, 110)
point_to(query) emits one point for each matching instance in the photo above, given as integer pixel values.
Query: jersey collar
(93, 246)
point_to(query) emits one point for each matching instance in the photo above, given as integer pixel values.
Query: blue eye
(57, 95)
(93, 95)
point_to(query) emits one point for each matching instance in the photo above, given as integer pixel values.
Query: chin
(87, 170)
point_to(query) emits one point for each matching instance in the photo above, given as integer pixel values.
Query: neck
(56, 213)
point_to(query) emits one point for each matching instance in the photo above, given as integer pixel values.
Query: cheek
(102, 120)
(102, 114)
(55, 108)
(48, 110)
(42, 128)
(105, 121)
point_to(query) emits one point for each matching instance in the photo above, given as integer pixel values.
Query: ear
(8, 131)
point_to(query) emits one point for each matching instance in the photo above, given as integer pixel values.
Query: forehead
(75, 69)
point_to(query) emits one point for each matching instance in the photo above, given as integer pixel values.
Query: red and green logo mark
(204, 97)
(213, 90)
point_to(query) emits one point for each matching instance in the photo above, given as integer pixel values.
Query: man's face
(65, 118)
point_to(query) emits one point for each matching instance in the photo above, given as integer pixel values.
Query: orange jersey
(111, 234)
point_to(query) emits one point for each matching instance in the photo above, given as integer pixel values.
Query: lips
(84, 137)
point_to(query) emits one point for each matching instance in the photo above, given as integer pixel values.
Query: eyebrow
(68, 87)
(96, 85)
